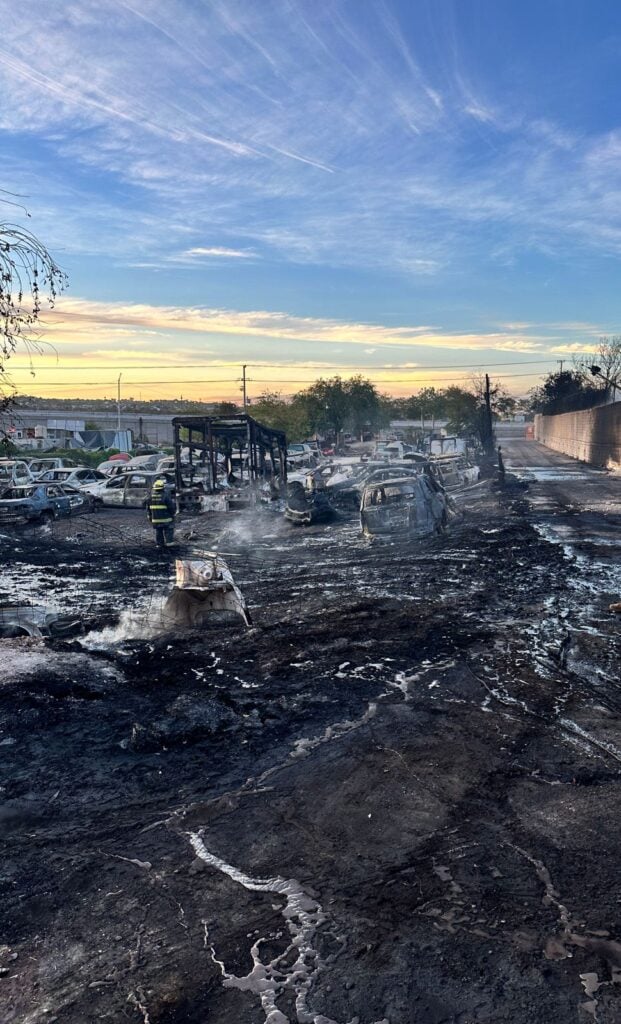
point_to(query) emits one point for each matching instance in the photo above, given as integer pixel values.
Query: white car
(14, 473)
(167, 463)
(127, 490)
(112, 467)
(40, 466)
(393, 450)
(76, 478)
(146, 462)
(301, 454)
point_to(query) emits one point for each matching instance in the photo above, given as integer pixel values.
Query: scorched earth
(396, 798)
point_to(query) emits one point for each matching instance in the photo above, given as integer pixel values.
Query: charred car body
(35, 503)
(14, 473)
(204, 590)
(310, 504)
(125, 490)
(410, 506)
(455, 471)
(17, 620)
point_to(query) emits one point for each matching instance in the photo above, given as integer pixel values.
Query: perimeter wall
(593, 435)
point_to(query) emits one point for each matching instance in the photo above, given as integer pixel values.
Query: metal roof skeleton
(210, 435)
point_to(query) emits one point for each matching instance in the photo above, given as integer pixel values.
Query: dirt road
(395, 799)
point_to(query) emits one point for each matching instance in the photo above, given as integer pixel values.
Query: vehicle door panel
(136, 490)
(113, 493)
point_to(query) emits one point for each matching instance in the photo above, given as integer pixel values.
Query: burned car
(310, 504)
(17, 620)
(35, 503)
(14, 473)
(455, 471)
(345, 481)
(414, 506)
(81, 501)
(74, 478)
(127, 490)
(204, 590)
(38, 467)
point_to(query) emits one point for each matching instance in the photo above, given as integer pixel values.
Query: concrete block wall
(593, 435)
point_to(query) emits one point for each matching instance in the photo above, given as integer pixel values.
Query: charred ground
(425, 739)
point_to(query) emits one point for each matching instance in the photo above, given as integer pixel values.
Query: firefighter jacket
(161, 508)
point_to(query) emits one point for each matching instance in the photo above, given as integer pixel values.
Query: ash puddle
(296, 969)
(544, 474)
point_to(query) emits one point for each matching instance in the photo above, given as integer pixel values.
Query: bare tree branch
(29, 279)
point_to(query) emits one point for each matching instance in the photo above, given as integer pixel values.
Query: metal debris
(204, 587)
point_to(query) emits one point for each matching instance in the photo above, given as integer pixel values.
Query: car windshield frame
(19, 493)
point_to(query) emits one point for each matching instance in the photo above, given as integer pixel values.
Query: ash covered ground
(396, 798)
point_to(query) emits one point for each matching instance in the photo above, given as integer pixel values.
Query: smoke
(141, 623)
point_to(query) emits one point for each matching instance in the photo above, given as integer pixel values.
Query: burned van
(412, 506)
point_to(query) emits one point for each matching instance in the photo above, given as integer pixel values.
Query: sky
(417, 190)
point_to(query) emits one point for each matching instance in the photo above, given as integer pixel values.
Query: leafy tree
(366, 407)
(502, 403)
(327, 404)
(463, 410)
(29, 277)
(428, 404)
(274, 411)
(565, 391)
(335, 404)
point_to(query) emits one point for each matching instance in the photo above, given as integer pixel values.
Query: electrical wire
(271, 366)
(264, 380)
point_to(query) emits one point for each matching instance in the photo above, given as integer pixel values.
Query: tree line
(332, 406)
(590, 381)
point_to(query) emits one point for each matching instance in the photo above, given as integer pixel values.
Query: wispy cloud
(172, 136)
(79, 316)
(219, 251)
(480, 113)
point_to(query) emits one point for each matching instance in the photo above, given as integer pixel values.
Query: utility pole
(243, 387)
(244, 381)
(118, 403)
(489, 433)
(561, 361)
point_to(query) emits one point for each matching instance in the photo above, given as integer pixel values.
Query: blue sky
(316, 186)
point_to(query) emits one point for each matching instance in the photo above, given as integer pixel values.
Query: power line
(263, 380)
(270, 366)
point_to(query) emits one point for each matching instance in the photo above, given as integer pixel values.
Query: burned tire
(46, 518)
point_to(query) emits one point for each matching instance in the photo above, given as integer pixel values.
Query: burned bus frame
(208, 436)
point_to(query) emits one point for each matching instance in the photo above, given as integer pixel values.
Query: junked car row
(38, 502)
(46, 489)
(411, 496)
(398, 491)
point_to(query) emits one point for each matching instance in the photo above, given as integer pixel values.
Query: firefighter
(161, 511)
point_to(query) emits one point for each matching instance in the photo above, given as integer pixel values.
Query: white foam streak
(303, 915)
(304, 745)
